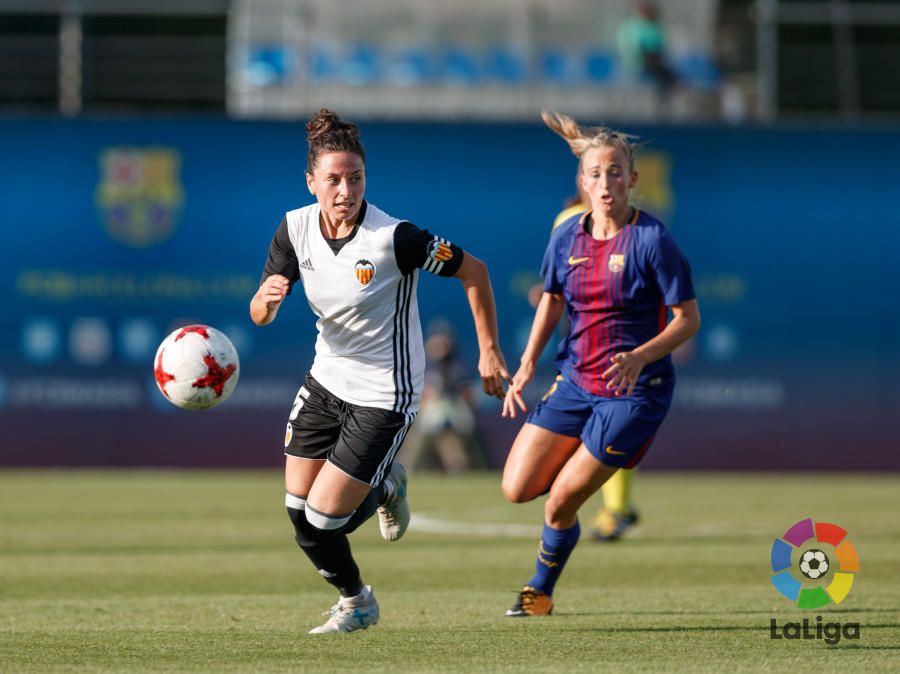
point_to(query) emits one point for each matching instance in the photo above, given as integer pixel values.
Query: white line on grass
(433, 525)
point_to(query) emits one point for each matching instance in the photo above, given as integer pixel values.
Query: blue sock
(556, 546)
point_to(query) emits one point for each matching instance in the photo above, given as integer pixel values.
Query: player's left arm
(473, 273)
(418, 248)
(626, 366)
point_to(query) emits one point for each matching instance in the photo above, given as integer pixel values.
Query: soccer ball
(813, 564)
(196, 367)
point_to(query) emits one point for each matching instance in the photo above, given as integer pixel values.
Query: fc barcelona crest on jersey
(140, 193)
(616, 263)
(365, 271)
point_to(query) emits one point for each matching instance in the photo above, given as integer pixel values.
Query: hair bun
(326, 132)
(323, 122)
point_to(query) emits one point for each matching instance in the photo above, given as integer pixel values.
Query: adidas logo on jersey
(307, 264)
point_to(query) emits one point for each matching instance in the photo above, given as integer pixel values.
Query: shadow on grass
(718, 628)
(697, 628)
(713, 538)
(863, 610)
(149, 550)
(729, 612)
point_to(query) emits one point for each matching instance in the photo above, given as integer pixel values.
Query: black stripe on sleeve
(282, 257)
(409, 281)
(396, 345)
(403, 385)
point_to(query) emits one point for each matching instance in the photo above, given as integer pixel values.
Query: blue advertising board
(118, 231)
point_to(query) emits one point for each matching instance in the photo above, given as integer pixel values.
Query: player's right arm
(546, 316)
(280, 273)
(265, 303)
(549, 311)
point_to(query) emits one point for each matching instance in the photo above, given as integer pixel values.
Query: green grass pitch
(141, 571)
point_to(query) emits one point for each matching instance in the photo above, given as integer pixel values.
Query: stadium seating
(697, 69)
(362, 65)
(456, 65)
(599, 66)
(459, 67)
(321, 63)
(412, 66)
(269, 65)
(506, 65)
(556, 66)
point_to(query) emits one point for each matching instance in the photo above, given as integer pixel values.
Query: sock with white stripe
(329, 551)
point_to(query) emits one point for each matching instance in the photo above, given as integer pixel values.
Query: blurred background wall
(151, 148)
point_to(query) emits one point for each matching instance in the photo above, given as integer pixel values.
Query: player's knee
(516, 492)
(559, 511)
(304, 533)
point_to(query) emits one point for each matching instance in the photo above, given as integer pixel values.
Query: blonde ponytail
(580, 140)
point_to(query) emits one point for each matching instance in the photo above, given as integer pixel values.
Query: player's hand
(492, 368)
(273, 289)
(514, 395)
(624, 372)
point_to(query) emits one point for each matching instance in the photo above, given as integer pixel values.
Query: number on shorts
(302, 395)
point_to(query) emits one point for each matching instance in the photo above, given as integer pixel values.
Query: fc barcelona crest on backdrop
(616, 263)
(140, 193)
(365, 271)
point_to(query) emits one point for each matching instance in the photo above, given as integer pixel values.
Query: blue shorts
(617, 431)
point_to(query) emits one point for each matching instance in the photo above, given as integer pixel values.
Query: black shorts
(361, 441)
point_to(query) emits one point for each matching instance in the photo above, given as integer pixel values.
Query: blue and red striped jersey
(616, 294)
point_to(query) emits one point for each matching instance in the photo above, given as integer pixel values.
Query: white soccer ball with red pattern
(196, 367)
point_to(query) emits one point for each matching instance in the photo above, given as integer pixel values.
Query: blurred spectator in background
(443, 437)
(642, 47)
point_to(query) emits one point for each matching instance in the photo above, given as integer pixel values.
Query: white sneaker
(393, 514)
(351, 613)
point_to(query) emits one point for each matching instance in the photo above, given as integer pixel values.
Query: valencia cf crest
(140, 193)
(616, 263)
(439, 250)
(288, 435)
(365, 271)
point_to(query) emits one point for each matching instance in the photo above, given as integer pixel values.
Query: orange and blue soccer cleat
(531, 602)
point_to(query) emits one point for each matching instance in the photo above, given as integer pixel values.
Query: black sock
(329, 551)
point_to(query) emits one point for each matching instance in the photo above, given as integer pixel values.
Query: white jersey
(369, 349)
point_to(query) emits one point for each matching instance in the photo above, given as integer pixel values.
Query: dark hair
(326, 132)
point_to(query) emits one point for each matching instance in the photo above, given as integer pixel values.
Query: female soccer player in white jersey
(359, 269)
(615, 271)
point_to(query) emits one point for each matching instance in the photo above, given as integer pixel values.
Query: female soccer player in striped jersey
(359, 269)
(618, 513)
(615, 270)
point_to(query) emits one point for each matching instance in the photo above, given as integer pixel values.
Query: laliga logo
(140, 193)
(813, 565)
(818, 547)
